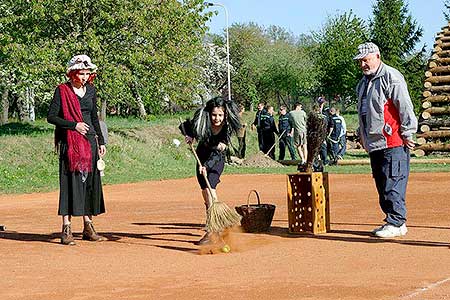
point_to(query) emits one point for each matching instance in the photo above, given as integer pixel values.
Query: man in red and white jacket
(386, 126)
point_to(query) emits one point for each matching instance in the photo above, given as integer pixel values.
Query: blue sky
(304, 16)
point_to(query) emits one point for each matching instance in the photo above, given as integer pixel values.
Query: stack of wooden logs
(434, 121)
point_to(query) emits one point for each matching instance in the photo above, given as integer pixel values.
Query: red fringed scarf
(78, 146)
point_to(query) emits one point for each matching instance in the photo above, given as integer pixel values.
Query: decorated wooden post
(308, 202)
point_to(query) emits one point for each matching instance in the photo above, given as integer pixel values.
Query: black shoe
(301, 167)
(204, 240)
(318, 166)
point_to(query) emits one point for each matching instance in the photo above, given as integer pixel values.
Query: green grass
(137, 151)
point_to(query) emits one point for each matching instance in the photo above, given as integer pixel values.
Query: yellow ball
(226, 249)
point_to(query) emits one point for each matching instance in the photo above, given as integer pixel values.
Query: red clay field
(151, 227)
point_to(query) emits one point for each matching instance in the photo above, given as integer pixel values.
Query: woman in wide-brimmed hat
(80, 142)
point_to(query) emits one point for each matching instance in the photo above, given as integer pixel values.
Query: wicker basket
(256, 217)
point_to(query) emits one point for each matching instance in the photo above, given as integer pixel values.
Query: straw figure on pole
(316, 132)
(212, 126)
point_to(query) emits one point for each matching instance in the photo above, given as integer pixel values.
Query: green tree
(397, 34)
(270, 64)
(147, 51)
(245, 41)
(447, 10)
(394, 30)
(285, 70)
(337, 42)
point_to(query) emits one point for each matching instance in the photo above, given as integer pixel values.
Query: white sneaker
(390, 231)
(379, 228)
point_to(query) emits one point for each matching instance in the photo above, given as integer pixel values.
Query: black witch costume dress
(80, 190)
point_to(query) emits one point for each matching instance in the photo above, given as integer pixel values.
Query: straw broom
(219, 216)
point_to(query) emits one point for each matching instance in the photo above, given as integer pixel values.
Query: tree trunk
(441, 40)
(278, 98)
(440, 69)
(30, 104)
(137, 97)
(432, 64)
(22, 107)
(438, 79)
(445, 31)
(439, 88)
(434, 134)
(286, 102)
(426, 105)
(438, 110)
(421, 141)
(441, 54)
(434, 147)
(443, 34)
(437, 99)
(438, 61)
(427, 94)
(418, 153)
(4, 108)
(103, 110)
(168, 102)
(424, 128)
(425, 115)
(441, 45)
(434, 122)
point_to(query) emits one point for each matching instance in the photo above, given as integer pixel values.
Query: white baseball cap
(366, 49)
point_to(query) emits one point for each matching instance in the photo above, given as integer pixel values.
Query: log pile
(353, 140)
(434, 121)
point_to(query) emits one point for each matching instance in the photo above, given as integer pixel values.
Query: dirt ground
(150, 254)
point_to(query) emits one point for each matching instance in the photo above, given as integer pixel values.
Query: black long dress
(211, 158)
(79, 195)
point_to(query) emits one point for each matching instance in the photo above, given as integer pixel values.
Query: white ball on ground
(176, 142)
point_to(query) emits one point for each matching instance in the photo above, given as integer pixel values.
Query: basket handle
(248, 197)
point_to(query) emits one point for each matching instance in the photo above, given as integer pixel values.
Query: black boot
(206, 239)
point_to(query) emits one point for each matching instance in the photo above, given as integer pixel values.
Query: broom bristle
(220, 216)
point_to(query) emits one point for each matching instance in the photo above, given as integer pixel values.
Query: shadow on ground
(22, 129)
(354, 236)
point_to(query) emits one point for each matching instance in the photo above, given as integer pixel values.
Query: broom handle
(204, 174)
(278, 139)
